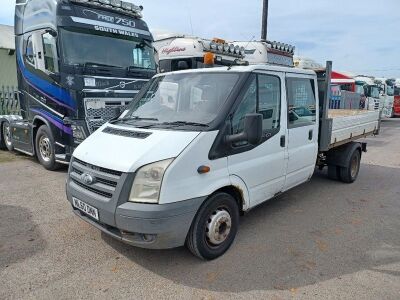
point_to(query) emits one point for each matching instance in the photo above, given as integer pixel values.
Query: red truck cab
(396, 102)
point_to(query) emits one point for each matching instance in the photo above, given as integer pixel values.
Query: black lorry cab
(80, 63)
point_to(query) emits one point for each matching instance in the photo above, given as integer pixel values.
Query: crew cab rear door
(302, 121)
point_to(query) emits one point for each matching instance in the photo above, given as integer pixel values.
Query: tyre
(334, 172)
(349, 174)
(45, 151)
(6, 141)
(214, 228)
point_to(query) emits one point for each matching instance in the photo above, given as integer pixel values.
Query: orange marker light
(209, 58)
(203, 169)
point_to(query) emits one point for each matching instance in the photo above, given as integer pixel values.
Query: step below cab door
(262, 167)
(302, 122)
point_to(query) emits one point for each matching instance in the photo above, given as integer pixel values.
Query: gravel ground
(322, 240)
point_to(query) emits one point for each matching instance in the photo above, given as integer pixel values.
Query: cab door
(261, 167)
(302, 128)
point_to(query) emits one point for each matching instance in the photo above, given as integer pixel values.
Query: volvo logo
(87, 178)
(122, 84)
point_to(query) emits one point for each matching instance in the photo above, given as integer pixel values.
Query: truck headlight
(78, 133)
(147, 184)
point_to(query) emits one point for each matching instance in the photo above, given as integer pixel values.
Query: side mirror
(252, 132)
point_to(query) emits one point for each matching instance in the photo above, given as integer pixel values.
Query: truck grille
(104, 183)
(101, 110)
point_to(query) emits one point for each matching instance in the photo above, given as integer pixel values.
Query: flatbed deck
(348, 125)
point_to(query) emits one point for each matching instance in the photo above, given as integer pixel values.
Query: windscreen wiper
(93, 64)
(135, 118)
(183, 123)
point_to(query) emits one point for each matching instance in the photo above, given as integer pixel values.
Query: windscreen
(374, 92)
(186, 97)
(80, 48)
(390, 90)
(360, 89)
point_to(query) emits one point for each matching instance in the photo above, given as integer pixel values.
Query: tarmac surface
(321, 240)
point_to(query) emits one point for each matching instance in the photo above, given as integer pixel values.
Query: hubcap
(45, 148)
(7, 134)
(354, 166)
(218, 227)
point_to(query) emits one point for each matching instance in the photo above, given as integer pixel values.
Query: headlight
(147, 184)
(78, 133)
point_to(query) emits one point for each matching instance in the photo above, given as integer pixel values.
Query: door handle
(310, 134)
(283, 141)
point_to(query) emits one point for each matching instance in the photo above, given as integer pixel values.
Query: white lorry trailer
(198, 148)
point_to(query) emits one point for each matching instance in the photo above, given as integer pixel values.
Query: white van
(198, 148)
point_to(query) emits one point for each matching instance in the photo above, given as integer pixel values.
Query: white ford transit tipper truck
(198, 148)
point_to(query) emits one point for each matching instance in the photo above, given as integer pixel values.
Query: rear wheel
(349, 173)
(214, 227)
(45, 150)
(6, 141)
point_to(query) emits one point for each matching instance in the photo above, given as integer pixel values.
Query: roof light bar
(221, 47)
(116, 5)
(281, 47)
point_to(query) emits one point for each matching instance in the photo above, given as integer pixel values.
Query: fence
(346, 100)
(9, 104)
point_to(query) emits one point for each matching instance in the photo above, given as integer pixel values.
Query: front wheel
(6, 141)
(45, 150)
(214, 227)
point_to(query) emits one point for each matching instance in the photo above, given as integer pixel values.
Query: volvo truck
(198, 148)
(80, 63)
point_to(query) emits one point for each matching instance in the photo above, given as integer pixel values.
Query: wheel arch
(9, 119)
(341, 156)
(238, 190)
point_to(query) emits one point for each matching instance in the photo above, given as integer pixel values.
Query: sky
(359, 36)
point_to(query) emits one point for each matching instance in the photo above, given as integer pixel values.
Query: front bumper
(152, 226)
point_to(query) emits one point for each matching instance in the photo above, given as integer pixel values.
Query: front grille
(112, 172)
(101, 110)
(105, 181)
(93, 190)
(126, 133)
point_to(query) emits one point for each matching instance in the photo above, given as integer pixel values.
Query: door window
(263, 96)
(301, 102)
(50, 53)
(247, 106)
(269, 101)
(29, 54)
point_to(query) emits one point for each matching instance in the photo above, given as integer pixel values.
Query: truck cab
(198, 148)
(386, 95)
(79, 63)
(371, 92)
(396, 101)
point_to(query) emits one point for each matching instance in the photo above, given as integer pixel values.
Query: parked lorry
(198, 148)
(371, 92)
(386, 95)
(192, 53)
(80, 63)
(396, 101)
